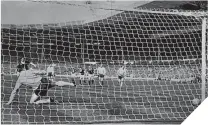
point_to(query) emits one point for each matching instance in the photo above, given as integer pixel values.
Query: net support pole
(42, 54)
(82, 52)
(203, 76)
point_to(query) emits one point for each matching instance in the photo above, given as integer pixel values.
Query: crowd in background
(167, 72)
(164, 72)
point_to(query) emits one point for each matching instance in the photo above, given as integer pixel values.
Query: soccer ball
(196, 102)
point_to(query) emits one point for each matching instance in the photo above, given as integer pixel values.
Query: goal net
(161, 50)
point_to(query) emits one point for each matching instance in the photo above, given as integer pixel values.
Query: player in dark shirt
(82, 74)
(73, 74)
(82, 71)
(20, 67)
(90, 75)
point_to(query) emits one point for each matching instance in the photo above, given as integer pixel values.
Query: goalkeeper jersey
(29, 78)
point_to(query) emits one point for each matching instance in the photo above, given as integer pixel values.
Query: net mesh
(162, 52)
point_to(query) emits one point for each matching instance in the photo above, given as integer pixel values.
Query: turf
(135, 101)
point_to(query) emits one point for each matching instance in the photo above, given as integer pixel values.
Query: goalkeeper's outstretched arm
(39, 72)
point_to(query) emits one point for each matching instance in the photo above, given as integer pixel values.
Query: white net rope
(163, 56)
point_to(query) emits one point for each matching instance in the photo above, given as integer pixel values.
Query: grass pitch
(136, 101)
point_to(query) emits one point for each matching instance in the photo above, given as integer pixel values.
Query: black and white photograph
(141, 62)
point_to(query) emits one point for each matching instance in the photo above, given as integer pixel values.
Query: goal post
(164, 52)
(204, 58)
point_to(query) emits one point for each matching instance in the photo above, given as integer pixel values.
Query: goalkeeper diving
(39, 83)
(121, 74)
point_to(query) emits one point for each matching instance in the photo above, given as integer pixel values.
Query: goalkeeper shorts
(43, 87)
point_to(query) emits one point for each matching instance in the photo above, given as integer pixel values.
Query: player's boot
(73, 81)
(74, 84)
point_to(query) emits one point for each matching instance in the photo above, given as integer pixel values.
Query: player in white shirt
(40, 85)
(121, 74)
(101, 71)
(50, 71)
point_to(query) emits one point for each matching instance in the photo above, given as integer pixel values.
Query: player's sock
(92, 81)
(80, 82)
(89, 82)
(42, 101)
(121, 83)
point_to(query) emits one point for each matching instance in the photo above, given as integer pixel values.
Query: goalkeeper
(40, 85)
(121, 74)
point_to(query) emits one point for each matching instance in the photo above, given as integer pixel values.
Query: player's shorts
(120, 77)
(43, 87)
(90, 76)
(73, 75)
(101, 75)
(82, 77)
